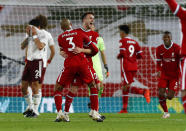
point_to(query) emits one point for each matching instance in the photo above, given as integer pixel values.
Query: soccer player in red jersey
(88, 20)
(168, 58)
(75, 63)
(181, 13)
(130, 51)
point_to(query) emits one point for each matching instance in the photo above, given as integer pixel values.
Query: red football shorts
(167, 82)
(183, 73)
(78, 80)
(68, 74)
(127, 77)
(33, 71)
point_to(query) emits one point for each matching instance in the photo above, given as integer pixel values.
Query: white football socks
(37, 100)
(28, 99)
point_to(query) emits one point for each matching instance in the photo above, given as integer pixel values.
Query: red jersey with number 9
(129, 52)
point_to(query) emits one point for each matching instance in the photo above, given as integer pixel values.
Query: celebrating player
(37, 40)
(88, 20)
(168, 58)
(129, 52)
(181, 13)
(75, 63)
(97, 63)
(43, 24)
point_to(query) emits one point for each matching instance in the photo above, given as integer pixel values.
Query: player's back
(170, 58)
(69, 40)
(131, 51)
(50, 42)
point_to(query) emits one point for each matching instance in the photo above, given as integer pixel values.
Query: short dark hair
(124, 28)
(85, 14)
(167, 33)
(43, 21)
(34, 22)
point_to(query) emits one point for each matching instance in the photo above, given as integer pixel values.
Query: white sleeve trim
(177, 9)
(139, 52)
(158, 59)
(122, 49)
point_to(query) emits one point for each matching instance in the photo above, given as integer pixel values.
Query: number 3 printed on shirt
(71, 43)
(131, 50)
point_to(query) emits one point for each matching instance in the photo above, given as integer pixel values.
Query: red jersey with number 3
(129, 52)
(71, 39)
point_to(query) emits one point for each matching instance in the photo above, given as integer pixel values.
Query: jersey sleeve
(122, 50)
(176, 9)
(158, 59)
(178, 51)
(139, 52)
(60, 43)
(95, 37)
(51, 40)
(89, 44)
(101, 45)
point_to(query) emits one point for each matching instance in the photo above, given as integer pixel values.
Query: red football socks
(125, 98)
(162, 101)
(68, 101)
(58, 100)
(94, 98)
(184, 103)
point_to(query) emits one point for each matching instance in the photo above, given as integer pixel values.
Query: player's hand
(63, 54)
(106, 70)
(48, 62)
(119, 56)
(28, 30)
(34, 32)
(77, 50)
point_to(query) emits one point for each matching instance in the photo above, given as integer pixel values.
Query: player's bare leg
(162, 101)
(183, 92)
(27, 97)
(125, 97)
(58, 101)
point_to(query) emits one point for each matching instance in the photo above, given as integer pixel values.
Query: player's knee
(92, 85)
(24, 87)
(35, 87)
(170, 97)
(58, 87)
(161, 92)
(126, 88)
(73, 89)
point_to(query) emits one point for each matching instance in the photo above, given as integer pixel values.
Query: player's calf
(36, 89)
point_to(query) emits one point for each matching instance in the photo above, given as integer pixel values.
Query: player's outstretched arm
(176, 9)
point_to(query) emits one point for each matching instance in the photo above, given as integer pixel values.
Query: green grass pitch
(81, 122)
